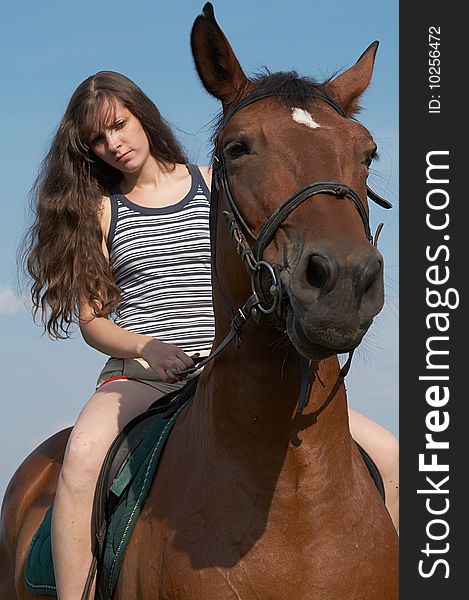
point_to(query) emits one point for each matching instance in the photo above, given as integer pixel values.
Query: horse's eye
(236, 149)
(369, 159)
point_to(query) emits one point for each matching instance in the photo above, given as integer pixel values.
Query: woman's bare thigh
(105, 414)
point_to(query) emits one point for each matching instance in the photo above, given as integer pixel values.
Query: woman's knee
(87, 446)
(100, 421)
(387, 456)
(380, 443)
(83, 458)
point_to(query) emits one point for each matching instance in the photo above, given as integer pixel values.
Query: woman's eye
(119, 124)
(236, 149)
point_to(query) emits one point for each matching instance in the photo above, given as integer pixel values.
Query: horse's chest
(195, 562)
(219, 537)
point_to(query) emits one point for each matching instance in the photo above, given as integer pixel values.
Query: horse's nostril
(320, 272)
(369, 285)
(370, 274)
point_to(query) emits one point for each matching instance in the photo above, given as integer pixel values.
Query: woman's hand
(165, 358)
(109, 338)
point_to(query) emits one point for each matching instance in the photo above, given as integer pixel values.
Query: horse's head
(279, 134)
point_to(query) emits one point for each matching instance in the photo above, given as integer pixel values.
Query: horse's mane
(286, 87)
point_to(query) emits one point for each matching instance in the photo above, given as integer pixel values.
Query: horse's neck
(250, 411)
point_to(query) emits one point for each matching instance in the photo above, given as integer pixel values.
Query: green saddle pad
(134, 480)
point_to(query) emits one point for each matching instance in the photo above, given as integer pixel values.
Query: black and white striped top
(160, 259)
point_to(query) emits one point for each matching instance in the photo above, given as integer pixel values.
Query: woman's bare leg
(100, 421)
(383, 448)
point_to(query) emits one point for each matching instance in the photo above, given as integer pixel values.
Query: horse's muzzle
(333, 300)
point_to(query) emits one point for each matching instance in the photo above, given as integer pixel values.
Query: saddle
(124, 483)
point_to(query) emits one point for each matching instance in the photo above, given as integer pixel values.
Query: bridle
(340, 190)
(252, 254)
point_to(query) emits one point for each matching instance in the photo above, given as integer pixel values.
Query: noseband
(252, 254)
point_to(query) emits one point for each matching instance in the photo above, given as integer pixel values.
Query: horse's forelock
(288, 86)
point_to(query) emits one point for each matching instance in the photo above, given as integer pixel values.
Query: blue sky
(48, 48)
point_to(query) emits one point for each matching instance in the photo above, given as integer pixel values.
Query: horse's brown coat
(251, 500)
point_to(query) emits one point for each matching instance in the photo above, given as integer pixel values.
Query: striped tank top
(160, 259)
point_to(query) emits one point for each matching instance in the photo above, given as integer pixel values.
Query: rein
(252, 256)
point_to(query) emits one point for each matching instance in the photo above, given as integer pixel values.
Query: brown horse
(254, 499)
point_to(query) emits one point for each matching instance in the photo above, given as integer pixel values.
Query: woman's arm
(107, 337)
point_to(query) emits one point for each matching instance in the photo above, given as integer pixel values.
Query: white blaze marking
(303, 116)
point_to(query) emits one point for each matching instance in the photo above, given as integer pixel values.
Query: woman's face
(121, 140)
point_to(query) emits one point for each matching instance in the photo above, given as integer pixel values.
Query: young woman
(121, 245)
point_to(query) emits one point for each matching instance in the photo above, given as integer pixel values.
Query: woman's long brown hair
(62, 250)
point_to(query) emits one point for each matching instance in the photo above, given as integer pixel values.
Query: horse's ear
(347, 87)
(216, 63)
